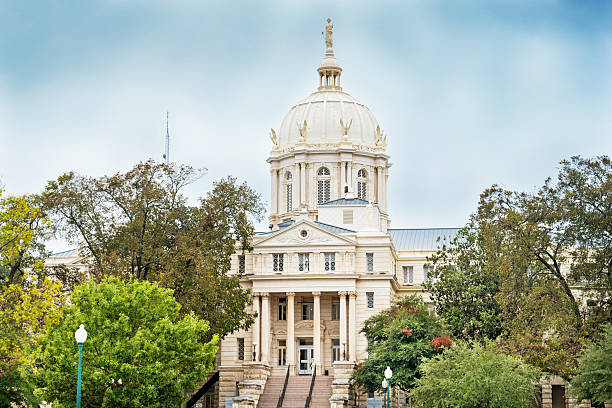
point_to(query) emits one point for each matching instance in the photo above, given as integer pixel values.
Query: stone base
(343, 370)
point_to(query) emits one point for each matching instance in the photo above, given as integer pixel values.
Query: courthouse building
(330, 260)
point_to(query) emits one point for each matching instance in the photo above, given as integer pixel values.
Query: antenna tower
(167, 154)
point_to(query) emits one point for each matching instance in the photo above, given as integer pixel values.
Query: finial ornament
(273, 138)
(302, 130)
(381, 139)
(345, 128)
(329, 42)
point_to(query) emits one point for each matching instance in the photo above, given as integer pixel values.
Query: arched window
(289, 191)
(362, 184)
(323, 183)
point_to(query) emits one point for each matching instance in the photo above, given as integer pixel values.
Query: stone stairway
(272, 391)
(297, 391)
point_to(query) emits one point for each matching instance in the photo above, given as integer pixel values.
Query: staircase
(297, 391)
(322, 392)
(272, 391)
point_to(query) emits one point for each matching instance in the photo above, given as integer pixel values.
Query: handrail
(309, 398)
(279, 404)
(195, 397)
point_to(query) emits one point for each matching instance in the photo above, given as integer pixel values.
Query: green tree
(594, 379)
(399, 337)
(467, 376)
(139, 351)
(22, 224)
(465, 285)
(138, 225)
(25, 312)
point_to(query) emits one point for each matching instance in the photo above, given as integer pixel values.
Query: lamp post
(387, 380)
(385, 386)
(80, 336)
(254, 352)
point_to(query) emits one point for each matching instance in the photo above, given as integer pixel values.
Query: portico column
(342, 178)
(352, 327)
(343, 349)
(256, 339)
(290, 332)
(317, 329)
(265, 327)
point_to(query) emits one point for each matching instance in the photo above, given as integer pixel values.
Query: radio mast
(167, 153)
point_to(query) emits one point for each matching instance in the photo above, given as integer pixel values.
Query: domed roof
(323, 110)
(329, 117)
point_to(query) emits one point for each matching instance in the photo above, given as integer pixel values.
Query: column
(385, 180)
(342, 178)
(317, 329)
(302, 183)
(256, 331)
(352, 327)
(349, 176)
(291, 332)
(379, 186)
(274, 191)
(296, 187)
(265, 327)
(343, 349)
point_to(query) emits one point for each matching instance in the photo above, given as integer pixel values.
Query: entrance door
(306, 355)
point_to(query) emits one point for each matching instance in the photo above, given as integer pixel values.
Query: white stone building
(330, 260)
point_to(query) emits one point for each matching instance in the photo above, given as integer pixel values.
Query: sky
(469, 93)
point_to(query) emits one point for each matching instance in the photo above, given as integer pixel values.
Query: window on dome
(323, 185)
(362, 184)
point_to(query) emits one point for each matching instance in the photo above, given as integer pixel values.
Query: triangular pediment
(304, 233)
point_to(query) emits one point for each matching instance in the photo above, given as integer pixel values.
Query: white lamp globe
(388, 373)
(80, 335)
(384, 383)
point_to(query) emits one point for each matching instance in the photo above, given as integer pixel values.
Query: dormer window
(362, 184)
(323, 185)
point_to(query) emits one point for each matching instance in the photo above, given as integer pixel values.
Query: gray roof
(66, 254)
(421, 238)
(347, 201)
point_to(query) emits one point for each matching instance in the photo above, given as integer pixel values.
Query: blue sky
(470, 93)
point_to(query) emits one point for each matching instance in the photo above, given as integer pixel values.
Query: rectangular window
(278, 262)
(370, 296)
(241, 264)
(335, 308)
(347, 216)
(307, 309)
(289, 197)
(335, 350)
(282, 353)
(370, 261)
(240, 349)
(330, 261)
(282, 308)
(408, 274)
(427, 272)
(304, 262)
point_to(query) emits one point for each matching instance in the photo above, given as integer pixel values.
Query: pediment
(294, 235)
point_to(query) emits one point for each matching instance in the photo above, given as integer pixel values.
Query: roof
(66, 254)
(421, 238)
(328, 227)
(346, 201)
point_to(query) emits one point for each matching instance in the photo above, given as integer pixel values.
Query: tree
(399, 337)
(465, 285)
(25, 312)
(22, 223)
(594, 379)
(467, 376)
(138, 225)
(139, 351)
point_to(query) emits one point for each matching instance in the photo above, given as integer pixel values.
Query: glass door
(306, 355)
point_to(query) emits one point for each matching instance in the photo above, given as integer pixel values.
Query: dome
(323, 110)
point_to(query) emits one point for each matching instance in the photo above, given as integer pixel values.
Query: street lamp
(385, 385)
(254, 352)
(387, 381)
(344, 351)
(80, 336)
